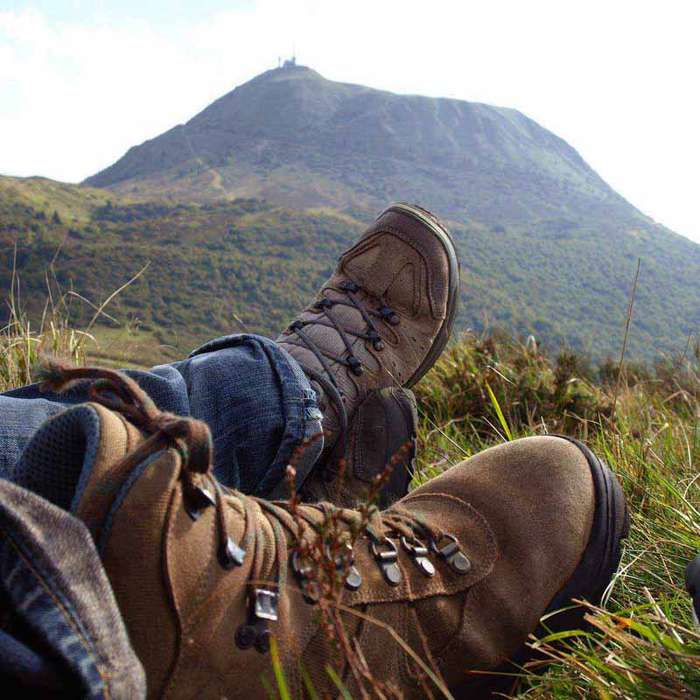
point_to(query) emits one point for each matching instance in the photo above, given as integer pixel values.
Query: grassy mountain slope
(37, 195)
(211, 263)
(549, 246)
(293, 136)
(206, 264)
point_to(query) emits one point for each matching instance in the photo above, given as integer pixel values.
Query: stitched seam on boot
(360, 247)
(171, 675)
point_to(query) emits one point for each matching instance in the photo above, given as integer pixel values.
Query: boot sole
(589, 581)
(448, 244)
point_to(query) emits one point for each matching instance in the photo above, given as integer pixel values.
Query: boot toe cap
(537, 496)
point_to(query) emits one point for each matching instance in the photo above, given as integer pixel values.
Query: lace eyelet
(346, 560)
(375, 339)
(389, 315)
(452, 553)
(255, 632)
(387, 560)
(353, 580)
(345, 557)
(355, 365)
(297, 568)
(418, 552)
(349, 286)
(309, 588)
(231, 555)
(196, 500)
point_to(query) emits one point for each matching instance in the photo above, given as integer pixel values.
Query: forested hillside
(209, 264)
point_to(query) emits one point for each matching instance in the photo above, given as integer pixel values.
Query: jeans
(60, 626)
(61, 633)
(253, 395)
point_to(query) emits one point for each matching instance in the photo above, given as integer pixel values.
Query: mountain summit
(547, 247)
(294, 137)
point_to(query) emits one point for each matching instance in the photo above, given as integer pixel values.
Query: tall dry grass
(23, 342)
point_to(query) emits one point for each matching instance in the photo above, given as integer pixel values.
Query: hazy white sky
(81, 82)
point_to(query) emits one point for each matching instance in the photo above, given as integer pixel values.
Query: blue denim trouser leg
(61, 634)
(59, 625)
(256, 400)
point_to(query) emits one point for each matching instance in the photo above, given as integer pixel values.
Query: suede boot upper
(384, 316)
(460, 570)
(381, 445)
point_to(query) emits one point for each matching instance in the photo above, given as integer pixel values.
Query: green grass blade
(338, 683)
(282, 688)
(497, 407)
(308, 685)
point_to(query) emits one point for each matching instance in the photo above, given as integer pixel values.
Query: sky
(81, 82)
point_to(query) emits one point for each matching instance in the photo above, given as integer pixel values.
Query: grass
(642, 644)
(645, 422)
(22, 343)
(25, 338)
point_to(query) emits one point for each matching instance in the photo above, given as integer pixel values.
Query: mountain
(244, 209)
(293, 137)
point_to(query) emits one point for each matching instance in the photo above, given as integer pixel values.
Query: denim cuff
(52, 578)
(302, 442)
(286, 408)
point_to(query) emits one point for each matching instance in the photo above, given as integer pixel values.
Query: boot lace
(294, 527)
(326, 317)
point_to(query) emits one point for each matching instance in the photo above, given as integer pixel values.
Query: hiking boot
(383, 317)
(692, 585)
(451, 578)
(381, 452)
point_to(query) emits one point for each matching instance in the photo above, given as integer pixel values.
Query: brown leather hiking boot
(383, 317)
(381, 450)
(453, 577)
